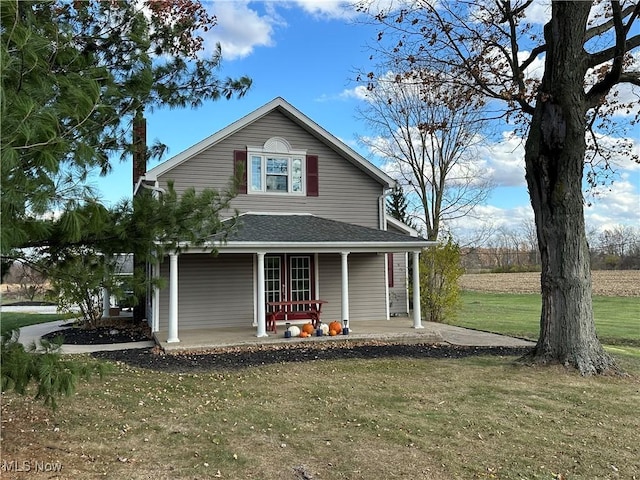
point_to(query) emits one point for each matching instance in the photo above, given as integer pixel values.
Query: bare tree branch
(621, 46)
(603, 56)
(606, 26)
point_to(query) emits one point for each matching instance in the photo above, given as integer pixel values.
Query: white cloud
(486, 220)
(536, 69)
(504, 160)
(334, 9)
(359, 93)
(240, 28)
(617, 205)
(539, 12)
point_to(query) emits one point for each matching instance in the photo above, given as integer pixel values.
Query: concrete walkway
(29, 308)
(431, 333)
(33, 333)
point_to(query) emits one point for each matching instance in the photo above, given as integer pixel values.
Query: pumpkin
(308, 328)
(333, 333)
(325, 328)
(304, 334)
(337, 326)
(295, 331)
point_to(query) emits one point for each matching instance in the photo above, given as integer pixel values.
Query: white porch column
(173, 299)
(387, 293)
(417, 315)
(406, 279)
(106, 302)
(262, 300)
(345, 286)
(316, 273)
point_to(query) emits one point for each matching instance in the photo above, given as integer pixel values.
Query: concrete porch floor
(399, 329)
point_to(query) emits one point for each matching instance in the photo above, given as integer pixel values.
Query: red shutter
(312, 175)
(240, 169)
(390, 269)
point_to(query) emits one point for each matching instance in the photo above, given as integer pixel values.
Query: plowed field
(610, 283)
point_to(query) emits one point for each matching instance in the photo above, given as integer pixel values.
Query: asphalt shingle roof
(308, 228)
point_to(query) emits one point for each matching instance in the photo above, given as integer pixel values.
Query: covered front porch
(274, 257)
(397, 328)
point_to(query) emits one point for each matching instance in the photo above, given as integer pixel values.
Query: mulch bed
(107, 331)
(234, 358)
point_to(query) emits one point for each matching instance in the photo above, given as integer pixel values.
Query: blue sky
(308, 52)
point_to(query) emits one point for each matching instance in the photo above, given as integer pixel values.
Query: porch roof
(289, 232)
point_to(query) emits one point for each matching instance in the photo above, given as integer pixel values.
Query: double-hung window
(276, 168)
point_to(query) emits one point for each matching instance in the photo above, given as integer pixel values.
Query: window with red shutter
(240, 169)
(312, 175)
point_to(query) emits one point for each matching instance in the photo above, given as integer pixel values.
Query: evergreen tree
(397, 206)
(75, 75)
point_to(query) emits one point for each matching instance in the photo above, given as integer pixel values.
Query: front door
(289, 278)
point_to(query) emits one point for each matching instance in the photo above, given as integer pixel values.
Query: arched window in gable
(276, 168)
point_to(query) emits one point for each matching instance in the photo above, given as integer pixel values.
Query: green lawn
(617, 318)
(13, 320)
(356, 419)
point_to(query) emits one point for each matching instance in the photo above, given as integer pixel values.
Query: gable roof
(288, 110)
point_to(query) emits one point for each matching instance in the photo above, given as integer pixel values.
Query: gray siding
(212, 291)
(219, 291)
(366, 286)
(346, 193)
(329, 279)
(367, 289)
(398, 293)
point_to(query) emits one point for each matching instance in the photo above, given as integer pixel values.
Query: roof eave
(310, 247)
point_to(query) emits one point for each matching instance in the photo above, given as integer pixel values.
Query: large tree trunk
(554, 159)
(139, 169)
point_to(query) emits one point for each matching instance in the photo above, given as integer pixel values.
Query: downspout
(153, 187)
(382, 213)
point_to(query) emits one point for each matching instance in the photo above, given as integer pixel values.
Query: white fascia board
(312, 247)
(295, 115)
(282, 214)
(212, 139)
(402, 226)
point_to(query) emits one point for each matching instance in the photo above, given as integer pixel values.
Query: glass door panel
(273, 279)
(299, 280)
(288, 278)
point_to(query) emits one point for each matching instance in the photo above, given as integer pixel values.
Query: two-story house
(312, 226)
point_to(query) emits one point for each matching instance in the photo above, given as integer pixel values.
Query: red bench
(285, 311)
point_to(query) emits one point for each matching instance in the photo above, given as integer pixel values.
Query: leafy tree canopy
(75, 75)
